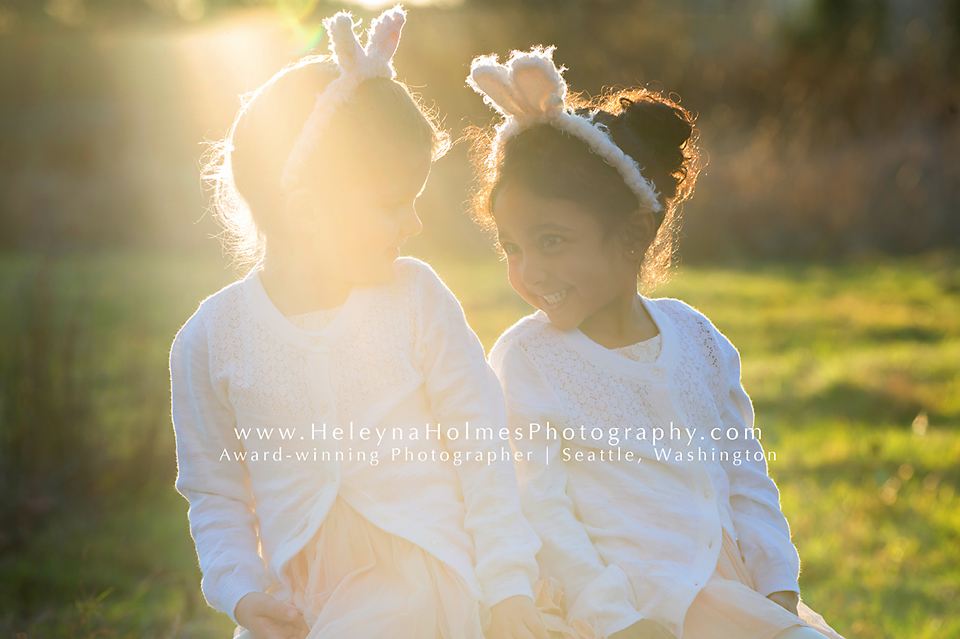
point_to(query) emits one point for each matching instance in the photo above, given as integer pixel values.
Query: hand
(268, 618)
(516, 618)
(644, 629)
(786, 598)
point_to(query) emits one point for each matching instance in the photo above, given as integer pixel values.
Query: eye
(550, 241)
(509, 248)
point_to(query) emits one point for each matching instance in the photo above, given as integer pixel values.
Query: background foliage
(822, 240)
(831, 126)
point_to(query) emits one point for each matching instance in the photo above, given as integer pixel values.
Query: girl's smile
(562, 261)
(554, 299)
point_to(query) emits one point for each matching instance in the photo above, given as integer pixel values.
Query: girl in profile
(331, 329)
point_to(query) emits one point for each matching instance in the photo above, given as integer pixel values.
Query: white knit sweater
(635, 539)
(397, 356)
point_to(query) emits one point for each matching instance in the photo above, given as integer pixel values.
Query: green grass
(854, 371)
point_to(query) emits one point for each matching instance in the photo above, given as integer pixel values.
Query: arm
(599, 594)
(222, 520)
(463, 389)
(764, 534)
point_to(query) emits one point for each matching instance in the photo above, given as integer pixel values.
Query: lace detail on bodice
(596, 396)
(376, 356)
(645, 352)
(592, 396)
(315, 321)
(372, 358)
(700, 373)
(264, 374)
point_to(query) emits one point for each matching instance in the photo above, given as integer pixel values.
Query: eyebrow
(533, 230)
(548, 226)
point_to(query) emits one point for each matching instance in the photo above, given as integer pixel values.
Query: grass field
(854, 371)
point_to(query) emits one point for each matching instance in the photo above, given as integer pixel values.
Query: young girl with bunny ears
(639, 539)
(290, 386)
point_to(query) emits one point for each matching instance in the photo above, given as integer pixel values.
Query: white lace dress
(628, 534)
(312, 474)
(356, 580)
(729, 605)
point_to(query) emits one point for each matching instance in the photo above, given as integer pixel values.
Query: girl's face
(559, 259)
(365, 218)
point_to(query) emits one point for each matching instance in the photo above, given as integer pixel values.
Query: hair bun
(661, 126)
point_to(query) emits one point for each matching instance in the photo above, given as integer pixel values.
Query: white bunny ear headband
(356, 65)
(529, 90)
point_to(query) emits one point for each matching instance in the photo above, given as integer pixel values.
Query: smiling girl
(332, 329)
(583, 197)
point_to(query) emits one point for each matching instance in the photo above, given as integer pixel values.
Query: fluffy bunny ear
(528, 86)
(384, 35)
(343, 41)
(492, 80)
(529, 89)
(537, 81)
(356, 65)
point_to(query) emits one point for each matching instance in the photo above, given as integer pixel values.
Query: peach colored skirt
(727, 607)
(355, 580)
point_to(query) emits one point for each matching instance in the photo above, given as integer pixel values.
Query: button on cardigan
(248, 384)
(632, 539)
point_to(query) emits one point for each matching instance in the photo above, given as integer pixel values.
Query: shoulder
(678, 309)
(229, 297)
(696, 329)
(411, 271)
(415, 279)
(513, 342)
(407, 264)
(211, 313)
(418, 284)
(687, 317)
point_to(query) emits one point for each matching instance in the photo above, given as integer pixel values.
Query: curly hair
(651, 128)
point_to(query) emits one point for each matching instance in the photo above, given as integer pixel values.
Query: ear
(638, 233)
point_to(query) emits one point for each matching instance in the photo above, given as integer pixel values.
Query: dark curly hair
(651, 128)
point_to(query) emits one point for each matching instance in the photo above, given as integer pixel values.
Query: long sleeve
(599, 594)
(462, 389)
(222, 520)
(764, 534)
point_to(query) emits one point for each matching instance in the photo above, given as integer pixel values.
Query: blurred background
(823, 239)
